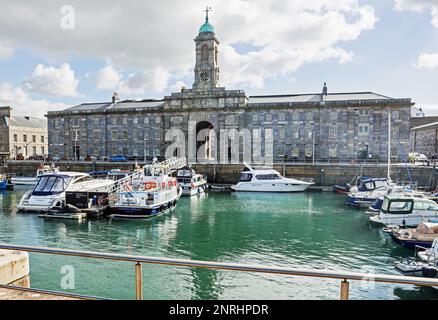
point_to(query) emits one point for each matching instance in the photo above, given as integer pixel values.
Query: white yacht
(406, 211)
(29, 181)
(152, 192)
(191, 182)
(49, 190)
(267, 180)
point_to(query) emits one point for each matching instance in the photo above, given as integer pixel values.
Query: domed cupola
(206, 27)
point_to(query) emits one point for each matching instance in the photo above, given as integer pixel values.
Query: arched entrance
(205, 142)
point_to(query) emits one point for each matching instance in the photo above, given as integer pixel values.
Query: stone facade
(424, 139)
(329, 126)
(22, 136)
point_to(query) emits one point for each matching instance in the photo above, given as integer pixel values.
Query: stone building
(320, 125)
(424, 139)
(22, 136)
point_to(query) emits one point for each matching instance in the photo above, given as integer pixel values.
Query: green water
(311, 230)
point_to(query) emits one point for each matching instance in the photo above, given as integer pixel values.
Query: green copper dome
(206, 28)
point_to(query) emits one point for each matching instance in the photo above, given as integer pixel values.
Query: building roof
(433, 125)
(107, 106)
(206, 27)
(317, 97)
(24, 122)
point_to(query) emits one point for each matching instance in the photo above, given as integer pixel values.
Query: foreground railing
(138, 260)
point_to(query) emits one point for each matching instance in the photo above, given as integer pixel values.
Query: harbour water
(309, 230)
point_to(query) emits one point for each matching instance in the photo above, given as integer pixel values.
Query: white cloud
(152, 81)
(156, 37)
(22, 104)
(420, 6)
(6, 52)
(53, 81)
(427, 61)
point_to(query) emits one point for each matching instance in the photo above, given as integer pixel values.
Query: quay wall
(321, 174)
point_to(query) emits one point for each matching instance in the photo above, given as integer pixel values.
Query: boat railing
(344, 276)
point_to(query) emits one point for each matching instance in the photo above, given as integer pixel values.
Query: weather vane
(207, 10)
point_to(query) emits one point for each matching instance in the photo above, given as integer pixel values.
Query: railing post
(138, 282)
(345, 290)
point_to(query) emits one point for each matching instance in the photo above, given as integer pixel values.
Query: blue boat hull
(359, 202)
(410, 243)
(3, 185)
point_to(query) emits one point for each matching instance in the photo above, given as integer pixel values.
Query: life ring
(163, 185)
(406, 234)
(175, 183)
(150, 185)
(170, 183)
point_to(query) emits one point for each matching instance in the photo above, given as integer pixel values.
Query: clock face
(204, 76)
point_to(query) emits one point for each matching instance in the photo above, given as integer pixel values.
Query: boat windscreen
(48, 185)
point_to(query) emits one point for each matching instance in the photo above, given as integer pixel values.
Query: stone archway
(205, 142)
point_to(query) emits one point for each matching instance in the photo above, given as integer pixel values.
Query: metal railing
(139, 260)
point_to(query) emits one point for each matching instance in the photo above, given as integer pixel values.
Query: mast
(389, 145)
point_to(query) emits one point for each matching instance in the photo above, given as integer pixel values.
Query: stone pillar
(14, 268)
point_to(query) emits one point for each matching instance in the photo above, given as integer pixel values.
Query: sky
(56, 54)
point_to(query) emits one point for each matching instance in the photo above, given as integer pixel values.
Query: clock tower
(206, 67)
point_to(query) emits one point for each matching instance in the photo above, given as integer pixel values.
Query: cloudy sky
(55, 54)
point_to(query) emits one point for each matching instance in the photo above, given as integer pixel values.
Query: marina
(313, 230)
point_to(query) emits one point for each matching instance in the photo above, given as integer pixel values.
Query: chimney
(324, 89)
(115, 97)
(6, 111)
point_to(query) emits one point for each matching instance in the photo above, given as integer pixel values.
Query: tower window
(204, 53)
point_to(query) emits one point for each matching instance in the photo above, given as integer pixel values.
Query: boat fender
(429, 272)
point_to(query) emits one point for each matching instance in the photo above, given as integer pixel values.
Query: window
(333, 133)
(157, 120)
(281, 133)
(43, 151)
(114, 121)
(245, 177)
(333, 152)
(135, 135)
(363, 129)
(296, 132)
(156, 152)
(363, 112)
(125, 120)
(309, 116)
(96, 122)
(204, 53)
(34, 138)
(96, 135)
(75, 135)
(146, 120)
(281, 116)
(125, 135)
(268, 117)
(24, 138)
(255, 118)
(296, 116)
(157, 136)
(43, 139)
(135, 120)
(114, 135)
(146, 135)
(334, 115)
(76, 122)
(34, 150)
(15, 138)
(268, 177)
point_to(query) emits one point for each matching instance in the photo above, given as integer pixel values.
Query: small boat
(3, 182)
(430, 254)
(414, 268)
(191, 182)
(50, 190)
(406, 211)
(396, 191)
(368, 191)
(423, 236)
(153, 192)
(345, 189)
(267, 180)
(66, 212)
(28, 181)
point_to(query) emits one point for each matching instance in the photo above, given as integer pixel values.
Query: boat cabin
(407, 205)
(373, 184)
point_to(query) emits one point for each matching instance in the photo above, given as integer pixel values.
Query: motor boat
(368, 191)
(396, 191)
(28, 181)
(50, 190)
(421, 237)
(268, 180)
(152, 192)
(406, 211)
(191, 182)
